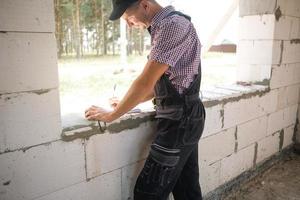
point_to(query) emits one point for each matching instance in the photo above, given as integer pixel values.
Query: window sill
(75, 126)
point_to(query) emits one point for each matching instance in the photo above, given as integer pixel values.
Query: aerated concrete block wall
(256, 128)
(33, 160)
(244, 127)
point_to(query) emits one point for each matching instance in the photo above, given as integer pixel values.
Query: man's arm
(115, 101)
(138, 92)
(141, 89)
(148, 97)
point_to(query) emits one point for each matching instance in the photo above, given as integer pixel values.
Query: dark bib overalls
(172, 164)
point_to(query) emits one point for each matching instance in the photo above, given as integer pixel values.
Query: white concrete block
(282, 28)
(295, 28)
(28, 119)
(290, 115)
(211, 95)
(258, 52)
(253, 73)
(291, 52)
(268, 102)
(108, 152)
(282, 98)
(241, 111)
(283, 75)
(217, 146)
(288, 136)
(129, 176)
(289, 7)
(221, 89)
(288, 96)
(296, 77)
(209, 176)
(252, 131)
(30, 16)
(282, 118)
(237, 163)
(256, 7)
(275, 122)
(106, 187)
(242, 88)
(41, 170)
(267, 147)
(28, 61)
(299, 96)
(213, 121)
(256, 27)
(265, 27)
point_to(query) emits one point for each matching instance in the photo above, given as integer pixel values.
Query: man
(172, 75)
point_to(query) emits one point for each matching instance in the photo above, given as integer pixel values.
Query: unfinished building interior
(44, 157)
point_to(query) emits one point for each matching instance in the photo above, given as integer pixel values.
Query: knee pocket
(164, 156)
(158, 170)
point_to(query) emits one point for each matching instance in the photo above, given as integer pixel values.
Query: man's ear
(145, 4)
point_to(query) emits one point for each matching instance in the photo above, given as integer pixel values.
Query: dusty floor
(280, 182)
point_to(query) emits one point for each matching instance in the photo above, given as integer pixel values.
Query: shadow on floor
(280, 182)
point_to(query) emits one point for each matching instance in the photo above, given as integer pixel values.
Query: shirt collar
(161, 15)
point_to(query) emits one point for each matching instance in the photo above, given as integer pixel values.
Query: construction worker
(172, 75)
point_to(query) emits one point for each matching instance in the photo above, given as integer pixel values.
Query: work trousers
(172, 163)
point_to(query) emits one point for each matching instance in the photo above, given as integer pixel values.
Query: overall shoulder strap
(180, 14)
(175, 12)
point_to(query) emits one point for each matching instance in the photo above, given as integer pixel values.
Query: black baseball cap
(119, 7)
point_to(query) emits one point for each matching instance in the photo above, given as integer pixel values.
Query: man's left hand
(97, 113)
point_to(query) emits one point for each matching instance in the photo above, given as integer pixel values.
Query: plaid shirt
(174, 42)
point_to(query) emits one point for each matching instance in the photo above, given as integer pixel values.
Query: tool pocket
(158, 171)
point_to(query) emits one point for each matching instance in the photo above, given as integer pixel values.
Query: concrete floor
(280, 182)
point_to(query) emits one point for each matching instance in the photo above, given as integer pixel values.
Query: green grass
(94, 77)
(96, 74)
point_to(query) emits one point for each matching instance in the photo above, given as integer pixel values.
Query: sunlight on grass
(91, 80)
